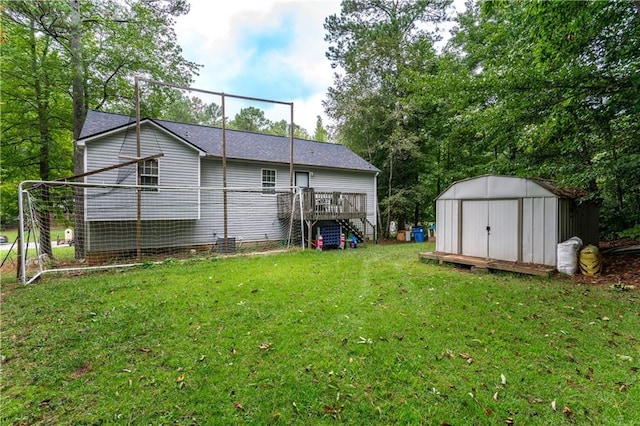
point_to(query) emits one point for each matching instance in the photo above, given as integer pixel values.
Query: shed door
(490, 229)
(503, 233)
(475, 217)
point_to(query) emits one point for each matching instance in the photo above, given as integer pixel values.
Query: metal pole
(193, 89)
(291, 150)
(138, 192)
(224, 175)
(22, 272)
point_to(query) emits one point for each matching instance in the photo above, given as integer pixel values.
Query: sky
(268, 49)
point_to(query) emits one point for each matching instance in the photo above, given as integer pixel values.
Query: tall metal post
(225, 242)
(22, 270)
(138, 192)
(291, 151)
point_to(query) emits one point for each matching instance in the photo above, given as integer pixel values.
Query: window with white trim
(148, 174)
(268, 181)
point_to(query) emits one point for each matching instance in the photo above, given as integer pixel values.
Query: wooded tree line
(61, 58)
(545, 89)
(529, 88)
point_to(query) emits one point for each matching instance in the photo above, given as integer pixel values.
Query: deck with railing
(318, 205)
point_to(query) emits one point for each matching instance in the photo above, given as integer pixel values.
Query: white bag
(568, 255)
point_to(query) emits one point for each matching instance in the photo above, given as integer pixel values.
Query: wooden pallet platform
(489, 264)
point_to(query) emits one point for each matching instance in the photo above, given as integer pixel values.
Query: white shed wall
(447, 214)
(522, 215)
(539, 230)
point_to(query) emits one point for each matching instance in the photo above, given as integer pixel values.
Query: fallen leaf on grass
(509, 421)
(466, 356)
(238, 406)
(553, 405)
(333, 410)
(625, 357)
(265, 346)
(145, 350)
(533, 400)
(180, 379)
(503, 379)
(81, 371)
(567, 412)
(233, 351)
(495, 396)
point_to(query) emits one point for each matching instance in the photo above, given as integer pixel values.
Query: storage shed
(511, 218)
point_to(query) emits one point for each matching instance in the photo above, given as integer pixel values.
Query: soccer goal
(67, 226)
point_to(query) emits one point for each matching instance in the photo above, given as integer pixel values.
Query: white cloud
(230, 39)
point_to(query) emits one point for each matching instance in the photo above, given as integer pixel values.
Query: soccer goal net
(77, 226)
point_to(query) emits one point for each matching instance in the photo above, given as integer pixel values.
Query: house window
(148, 174)
(268, 181)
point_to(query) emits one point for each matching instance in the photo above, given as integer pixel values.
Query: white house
(341, 185)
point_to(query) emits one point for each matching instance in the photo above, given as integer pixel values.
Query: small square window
(268, 181)
(148, 174)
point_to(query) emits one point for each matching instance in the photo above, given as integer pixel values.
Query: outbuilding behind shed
(512, 218)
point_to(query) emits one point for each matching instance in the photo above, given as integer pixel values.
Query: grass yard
(367, 336)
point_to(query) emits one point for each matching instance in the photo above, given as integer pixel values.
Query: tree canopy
(528, 88)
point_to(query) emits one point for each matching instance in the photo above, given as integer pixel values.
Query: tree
(379, 46)
(61, 58)
(557, 85)
(192, 110)
(320, 133)
(250, 119)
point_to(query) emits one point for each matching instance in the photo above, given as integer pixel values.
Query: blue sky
(264, 49)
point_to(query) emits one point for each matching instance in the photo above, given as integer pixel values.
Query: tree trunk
(79, 111)
(41, 90)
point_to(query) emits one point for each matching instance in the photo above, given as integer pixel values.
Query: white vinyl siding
(179, 165)
(196, 216)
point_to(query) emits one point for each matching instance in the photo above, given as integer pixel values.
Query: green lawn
(366, 336)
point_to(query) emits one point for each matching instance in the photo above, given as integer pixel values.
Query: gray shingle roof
(240, 145)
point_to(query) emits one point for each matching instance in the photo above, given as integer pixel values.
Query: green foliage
(320, 133)
(116, 40)
(528, 88)
(252, 119)
(382, 47)
(633, 232)
(366, 336)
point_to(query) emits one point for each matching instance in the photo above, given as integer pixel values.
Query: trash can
(418, 234)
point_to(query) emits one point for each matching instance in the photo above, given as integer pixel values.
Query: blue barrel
(418, 234)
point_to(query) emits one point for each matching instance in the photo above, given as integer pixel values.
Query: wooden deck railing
(325, 205)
